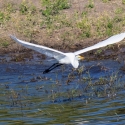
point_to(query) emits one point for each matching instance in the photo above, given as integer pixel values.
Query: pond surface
(93, 94)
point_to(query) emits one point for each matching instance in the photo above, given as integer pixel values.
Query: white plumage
(111, 40)
(72, 57)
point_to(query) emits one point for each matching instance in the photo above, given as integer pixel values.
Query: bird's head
(79, 57)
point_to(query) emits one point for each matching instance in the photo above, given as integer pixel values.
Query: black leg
(52, 67)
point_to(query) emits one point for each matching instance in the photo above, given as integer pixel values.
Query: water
(94, 95)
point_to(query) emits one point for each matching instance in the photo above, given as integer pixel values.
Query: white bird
(68, 58)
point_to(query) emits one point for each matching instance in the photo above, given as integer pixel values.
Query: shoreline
(115, 52)
(70, 27)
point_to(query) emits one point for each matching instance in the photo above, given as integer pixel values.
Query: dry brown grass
(81, 24)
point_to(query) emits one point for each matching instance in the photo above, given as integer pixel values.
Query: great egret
(68, 58)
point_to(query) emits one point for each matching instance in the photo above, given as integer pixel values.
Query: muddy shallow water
(91, 95)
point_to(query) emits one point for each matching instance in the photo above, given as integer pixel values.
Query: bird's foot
(52, 67)
(46, 71)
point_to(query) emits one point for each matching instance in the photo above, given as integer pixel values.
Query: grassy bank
(60, 23)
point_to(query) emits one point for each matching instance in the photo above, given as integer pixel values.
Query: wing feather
(111, 40)
(41, 49)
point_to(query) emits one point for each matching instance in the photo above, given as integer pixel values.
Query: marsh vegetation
(92, 94)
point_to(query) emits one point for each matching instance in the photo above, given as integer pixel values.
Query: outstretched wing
(111, 40)
(41, 49)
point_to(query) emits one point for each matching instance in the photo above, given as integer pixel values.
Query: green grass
(53, 7)
(123, 1)
(4, 17)
(105, 1)
(91, 4)
(4, 44)
(26, 8)
(59, 19)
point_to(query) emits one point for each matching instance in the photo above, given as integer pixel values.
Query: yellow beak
(81, 57)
